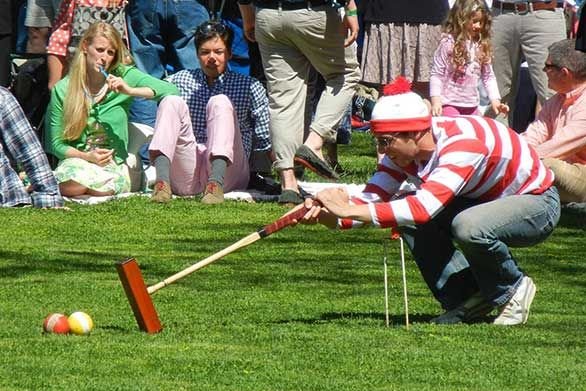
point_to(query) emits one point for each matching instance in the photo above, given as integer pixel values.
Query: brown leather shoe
(213, 194)
(161, 193)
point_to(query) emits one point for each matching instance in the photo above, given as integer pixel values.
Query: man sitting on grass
(205, 142)
(559, 131)
(19, 144)
(479, 186)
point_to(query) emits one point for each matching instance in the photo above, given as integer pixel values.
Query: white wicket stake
(386, 283)
(404, 284)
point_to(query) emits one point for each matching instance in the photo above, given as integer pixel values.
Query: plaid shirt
(246, 94)
(18, 142)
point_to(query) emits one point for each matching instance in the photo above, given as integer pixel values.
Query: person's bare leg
(37, 40)
(288, 180)
(96, 193)
(74, 189)
(315, 142)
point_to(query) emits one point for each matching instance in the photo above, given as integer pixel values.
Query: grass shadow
(344, 316)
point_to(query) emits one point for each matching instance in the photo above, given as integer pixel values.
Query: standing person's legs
(319, 39)
(174, 139)
(539, 30)
(485, 232)
(286, 69)
(181, 20)
(507, 56)
(148, 51)
(39, 19)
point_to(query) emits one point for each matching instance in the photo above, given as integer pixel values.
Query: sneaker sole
(529, 299)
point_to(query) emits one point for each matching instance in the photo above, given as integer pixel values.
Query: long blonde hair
(76, 106)
(456, 25)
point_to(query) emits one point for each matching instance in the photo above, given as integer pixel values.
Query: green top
(111, 112)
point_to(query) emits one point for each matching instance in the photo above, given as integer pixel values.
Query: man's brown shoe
(161, 193)
(213, 194)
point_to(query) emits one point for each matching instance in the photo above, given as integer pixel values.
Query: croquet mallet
(139, 295)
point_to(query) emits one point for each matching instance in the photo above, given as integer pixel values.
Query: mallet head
(138, 296)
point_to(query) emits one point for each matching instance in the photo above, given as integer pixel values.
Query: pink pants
(454, 111)
(190, 161)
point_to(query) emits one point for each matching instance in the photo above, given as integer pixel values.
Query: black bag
(29, 79)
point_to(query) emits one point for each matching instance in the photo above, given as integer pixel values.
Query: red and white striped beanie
(400, 110)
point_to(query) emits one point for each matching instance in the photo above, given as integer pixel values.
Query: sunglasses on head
(211, 27)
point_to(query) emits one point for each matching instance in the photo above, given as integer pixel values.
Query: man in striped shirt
(480, 189)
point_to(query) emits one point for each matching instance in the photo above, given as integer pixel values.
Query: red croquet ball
(56, 323)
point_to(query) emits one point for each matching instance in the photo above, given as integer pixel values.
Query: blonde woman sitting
(87, 117)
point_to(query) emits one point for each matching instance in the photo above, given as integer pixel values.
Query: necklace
(93, 97)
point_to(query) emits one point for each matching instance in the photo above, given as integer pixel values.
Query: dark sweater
(404, 11)
(272, 3)
(581, 34)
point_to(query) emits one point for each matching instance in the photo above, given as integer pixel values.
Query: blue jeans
(161, 35)
(483, 233)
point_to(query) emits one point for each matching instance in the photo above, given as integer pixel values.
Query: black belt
(522, 7)
(285, 5)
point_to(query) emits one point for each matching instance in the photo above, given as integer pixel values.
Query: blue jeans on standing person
(161, 34)
(483, 232)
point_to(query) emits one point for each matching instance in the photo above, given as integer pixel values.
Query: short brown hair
(213, 29)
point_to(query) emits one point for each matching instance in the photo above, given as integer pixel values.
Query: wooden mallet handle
(283, 222)
(267, 230)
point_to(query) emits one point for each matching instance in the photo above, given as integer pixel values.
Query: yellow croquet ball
(80, 323)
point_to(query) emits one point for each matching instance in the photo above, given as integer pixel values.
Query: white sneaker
(516, 311)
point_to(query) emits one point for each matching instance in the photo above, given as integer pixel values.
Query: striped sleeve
(383, 185)
(457, 164)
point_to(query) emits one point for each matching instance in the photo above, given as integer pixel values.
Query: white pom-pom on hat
(400, 110)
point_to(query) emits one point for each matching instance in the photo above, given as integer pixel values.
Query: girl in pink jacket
(461, 59)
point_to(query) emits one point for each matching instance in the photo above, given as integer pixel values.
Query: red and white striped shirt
(475, 157)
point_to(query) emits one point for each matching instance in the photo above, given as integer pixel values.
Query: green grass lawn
(300, 310)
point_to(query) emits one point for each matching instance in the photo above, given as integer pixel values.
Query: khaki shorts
(41, 13)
